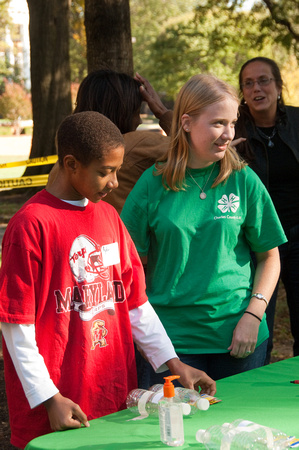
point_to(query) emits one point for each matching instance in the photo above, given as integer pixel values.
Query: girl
(196, 216)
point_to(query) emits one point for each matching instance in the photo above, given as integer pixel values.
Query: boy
(72, 294)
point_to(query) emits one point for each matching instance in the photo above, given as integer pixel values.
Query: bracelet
(254, 315)
(260, 297)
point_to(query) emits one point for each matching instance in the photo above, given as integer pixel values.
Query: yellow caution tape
(31, 162)
(24, 182)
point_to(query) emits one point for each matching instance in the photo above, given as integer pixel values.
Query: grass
(6, 130)
(282, 337)
(8, 210)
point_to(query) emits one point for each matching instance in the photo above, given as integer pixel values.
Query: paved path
(13, 148)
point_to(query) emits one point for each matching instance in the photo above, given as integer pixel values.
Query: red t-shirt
(73, 272)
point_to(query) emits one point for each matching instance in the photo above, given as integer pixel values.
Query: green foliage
(78, 60)
(283, 22)
(4, 22)
(290, 76)
(173, 39)
(211, 40)
(281, 18)
(15, 102)
(148, 19)
(7, 70)
(4, 16)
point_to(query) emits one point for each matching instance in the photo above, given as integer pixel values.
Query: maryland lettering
(90, 299)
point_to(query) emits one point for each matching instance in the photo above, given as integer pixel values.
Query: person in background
(72, 294)
(271, 149)
(119, 96)
(196, 215)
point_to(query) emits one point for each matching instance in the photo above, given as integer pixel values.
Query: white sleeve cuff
(150, 335)
(28, 362)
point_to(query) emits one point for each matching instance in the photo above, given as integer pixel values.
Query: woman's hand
(237, 141)
(151, 97)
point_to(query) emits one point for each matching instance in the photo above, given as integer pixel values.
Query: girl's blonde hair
(197, 94)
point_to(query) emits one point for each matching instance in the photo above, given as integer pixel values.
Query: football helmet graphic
(86, 260)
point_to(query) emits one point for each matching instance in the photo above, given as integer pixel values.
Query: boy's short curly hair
(87, 135)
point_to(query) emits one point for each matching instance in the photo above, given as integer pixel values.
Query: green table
(263, 395)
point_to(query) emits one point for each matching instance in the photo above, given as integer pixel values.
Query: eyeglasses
(261, 82)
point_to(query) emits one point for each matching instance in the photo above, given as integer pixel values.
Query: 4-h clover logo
(229, 204)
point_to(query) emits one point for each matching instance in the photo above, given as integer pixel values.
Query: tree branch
(281, 21)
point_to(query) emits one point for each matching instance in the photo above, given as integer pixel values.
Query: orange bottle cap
(168, 387)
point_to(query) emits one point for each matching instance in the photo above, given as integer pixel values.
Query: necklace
(202, 195)
(265, 136)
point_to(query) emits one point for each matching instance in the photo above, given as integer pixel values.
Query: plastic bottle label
(157, 397)
(142, 402)
(171, 424)
(250, 427)
(245, 426)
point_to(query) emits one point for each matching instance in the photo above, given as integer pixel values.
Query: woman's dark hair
(245, 116)
(115, 95)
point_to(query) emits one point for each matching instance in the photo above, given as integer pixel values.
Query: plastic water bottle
(171, 416)
(143, 402)
(146, 402)
(242, 434)
(187, 396)
(193, 398)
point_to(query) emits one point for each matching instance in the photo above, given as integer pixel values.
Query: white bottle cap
(186, 409)
(203, 404)
(202, 436)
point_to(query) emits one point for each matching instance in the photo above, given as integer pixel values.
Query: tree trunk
(50, 74)
(108, 35)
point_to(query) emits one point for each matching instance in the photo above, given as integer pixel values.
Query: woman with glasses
(271, 148)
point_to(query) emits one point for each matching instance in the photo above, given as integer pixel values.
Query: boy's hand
(64, 413)
(192, 378)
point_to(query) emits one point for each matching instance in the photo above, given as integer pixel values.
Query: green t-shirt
(199, 272)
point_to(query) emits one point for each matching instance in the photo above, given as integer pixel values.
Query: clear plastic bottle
(143, 402)
(187, 396)
(146, 402)
(171, 416)
(242, 434)
(193, 398)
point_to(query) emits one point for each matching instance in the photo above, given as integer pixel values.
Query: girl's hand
(244, 337)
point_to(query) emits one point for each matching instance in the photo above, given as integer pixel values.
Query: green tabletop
(263, 395)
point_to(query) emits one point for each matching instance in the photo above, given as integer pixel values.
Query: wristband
(254, 315)
(260, 297)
